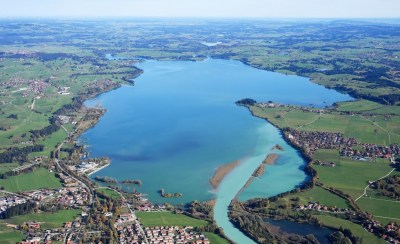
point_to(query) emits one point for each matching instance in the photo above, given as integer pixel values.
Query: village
(313, 141)
(318, 207)
(66, 196)
(35, 86)
(74, 195)
(135, 233)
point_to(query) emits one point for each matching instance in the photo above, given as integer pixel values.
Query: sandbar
(271, 158)
(259, 171)
(221, 172)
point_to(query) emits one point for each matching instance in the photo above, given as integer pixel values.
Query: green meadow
(48, 220)
(39, 178)
(356, 230)
(376, 129)
(8, 235)
(324, 197)
(349, 176)
(109, 192)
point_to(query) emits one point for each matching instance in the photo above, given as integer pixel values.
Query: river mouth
(179, 123)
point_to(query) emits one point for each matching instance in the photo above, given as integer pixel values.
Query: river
(180, 122)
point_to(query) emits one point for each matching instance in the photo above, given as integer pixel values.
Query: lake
(180, 122)
(320, 233)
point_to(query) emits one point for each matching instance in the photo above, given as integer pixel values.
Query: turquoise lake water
(180, 122)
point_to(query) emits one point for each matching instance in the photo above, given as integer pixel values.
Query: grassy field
(387, 210)
(366, 128)
(370, 106)
(297, 119)
(8, 167)
(51, 141)
(357, 230)
(9, 235)
(215, 239)
(149, 219)
(360, 105)
(49, 220)
(322, 196)
(349, 176)
(40, 178)
(109, 192)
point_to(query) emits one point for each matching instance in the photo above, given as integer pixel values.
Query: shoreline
(80, 131)
(303, 155)
(98, 169)
(221, 172)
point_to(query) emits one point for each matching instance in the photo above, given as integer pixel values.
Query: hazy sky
(202, 8)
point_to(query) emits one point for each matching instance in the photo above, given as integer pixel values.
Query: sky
(202, 8)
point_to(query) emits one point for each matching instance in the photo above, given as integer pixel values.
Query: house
(33, 226)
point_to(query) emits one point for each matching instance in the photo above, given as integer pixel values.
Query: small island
(132, 181)
(106, 179)
(169, 195)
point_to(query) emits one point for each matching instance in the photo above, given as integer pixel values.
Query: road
(15, 194)
(76, 179)
(365, 189)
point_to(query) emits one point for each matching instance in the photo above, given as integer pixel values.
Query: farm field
(384, 210)
(358, 106)
(324, 197)
(39, 178)
(48, 220)
(349, 176)
(8, 167)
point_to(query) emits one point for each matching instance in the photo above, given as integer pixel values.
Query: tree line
(46, 131)
(15, 154)
(19, 209)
